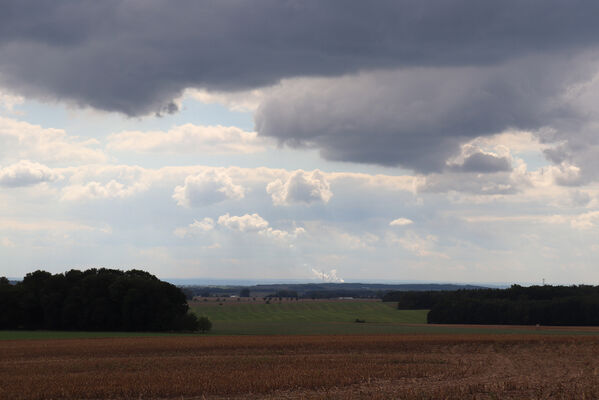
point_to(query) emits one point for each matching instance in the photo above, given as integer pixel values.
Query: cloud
(243, 223)
(405, 183)
(282, 235)
(582, 221)
(187, 138)
(22, 140)
(9, 101)
(97, 190)
(365, 241)
(51, 225)
(401, 222)
(394, 83)
(511, 140)
(241, 101)
(231, 48)
(300, 187)
(26, 173)
(566, 174)
(331, 236)
(422, 246)
(419, 117)
(207, 187)
(254, 223)
(195, 228)
(6, 242)
(484, 163)
(587, 220)
(103, 181)
(499, 183)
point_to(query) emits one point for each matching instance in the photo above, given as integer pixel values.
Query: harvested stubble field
(302, 367)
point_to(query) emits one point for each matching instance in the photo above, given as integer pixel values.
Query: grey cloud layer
(418, 117)
(481, 162)
(135, 56)
(397, 83)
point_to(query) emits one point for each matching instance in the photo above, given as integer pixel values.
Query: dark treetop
(95, 299)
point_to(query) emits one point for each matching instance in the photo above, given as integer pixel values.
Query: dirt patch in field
(303, 367)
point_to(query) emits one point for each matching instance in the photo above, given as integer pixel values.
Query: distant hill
(319, 290)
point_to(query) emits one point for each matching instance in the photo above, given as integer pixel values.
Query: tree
(204, 324)
(245, 292)
(95, 299)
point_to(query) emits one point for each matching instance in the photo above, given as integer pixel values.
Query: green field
(336, 318)
(310, 311)
(308, 317)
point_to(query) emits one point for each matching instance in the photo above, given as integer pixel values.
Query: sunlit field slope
(305, 317)
(309, 311)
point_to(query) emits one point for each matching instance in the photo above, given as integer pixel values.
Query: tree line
(94, 300)
(517, 305)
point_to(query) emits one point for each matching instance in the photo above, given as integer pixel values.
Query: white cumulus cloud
(401, 222)
(300, 187)
(195, 228)
(254, 223)
(207, 187)
(26, 173)
(97, 190)
(243, 223)
(23, 140)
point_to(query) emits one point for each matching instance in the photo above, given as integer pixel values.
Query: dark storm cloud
(418, 117)
(390, 82)
(134, 56)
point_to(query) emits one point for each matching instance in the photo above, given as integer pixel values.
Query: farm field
(306, 367)
(310, 310)
(305, 317)
(323, 317)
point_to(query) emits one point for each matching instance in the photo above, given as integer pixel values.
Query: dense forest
(95, 299)
(517, 305)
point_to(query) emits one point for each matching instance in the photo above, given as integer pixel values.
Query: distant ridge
(267, 282)
(321, 289)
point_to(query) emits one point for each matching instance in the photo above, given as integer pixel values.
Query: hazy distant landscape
(325, 340)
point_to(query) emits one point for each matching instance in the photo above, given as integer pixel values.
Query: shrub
(204, 324)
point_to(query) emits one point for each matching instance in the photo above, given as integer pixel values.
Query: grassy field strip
(337, 318)
(377, 312)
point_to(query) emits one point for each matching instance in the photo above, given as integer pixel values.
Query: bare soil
(303, 367)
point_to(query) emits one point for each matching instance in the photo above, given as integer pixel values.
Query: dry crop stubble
(374, 366)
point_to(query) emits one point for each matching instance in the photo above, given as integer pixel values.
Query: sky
(433, 141)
